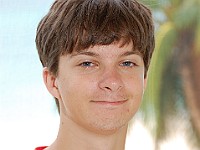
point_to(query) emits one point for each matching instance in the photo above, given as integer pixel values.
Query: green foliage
(164, 89)
(165, 39)
(186, 15)
(197, 37)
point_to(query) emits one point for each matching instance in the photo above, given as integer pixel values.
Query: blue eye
(128, 64)
(87, 64)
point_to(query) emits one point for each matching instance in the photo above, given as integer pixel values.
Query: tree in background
(172, 99)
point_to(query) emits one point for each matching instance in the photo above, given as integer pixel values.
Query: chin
(109, 126)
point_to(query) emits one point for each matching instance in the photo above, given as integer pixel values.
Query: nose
(110, 81)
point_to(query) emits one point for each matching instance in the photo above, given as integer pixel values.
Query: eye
(128, 64)
(87, 64)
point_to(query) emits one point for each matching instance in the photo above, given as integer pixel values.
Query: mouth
(110, 103)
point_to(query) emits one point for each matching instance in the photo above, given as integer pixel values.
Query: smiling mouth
(111, 103)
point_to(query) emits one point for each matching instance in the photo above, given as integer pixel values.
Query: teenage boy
(95, 55)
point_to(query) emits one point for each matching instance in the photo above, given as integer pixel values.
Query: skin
(99, 90)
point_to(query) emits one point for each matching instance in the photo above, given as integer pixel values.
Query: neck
(72, 137)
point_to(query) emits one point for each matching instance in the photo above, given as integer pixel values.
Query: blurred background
(169, 117)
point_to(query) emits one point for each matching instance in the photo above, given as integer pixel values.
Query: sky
(28, 116)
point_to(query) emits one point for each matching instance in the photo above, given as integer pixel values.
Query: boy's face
(101, 88)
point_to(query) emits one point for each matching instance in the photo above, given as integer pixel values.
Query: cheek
(76, 89)
(71, 98)
(135, 90)
(135, 85)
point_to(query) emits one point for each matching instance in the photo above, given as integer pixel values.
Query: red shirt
(41, 148)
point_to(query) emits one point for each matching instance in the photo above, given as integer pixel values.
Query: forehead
(116, 48)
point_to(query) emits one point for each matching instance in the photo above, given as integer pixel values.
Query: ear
(50, 82)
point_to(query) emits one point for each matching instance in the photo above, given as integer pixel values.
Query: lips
(109, 102)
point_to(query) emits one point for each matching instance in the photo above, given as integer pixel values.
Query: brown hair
(78, 24)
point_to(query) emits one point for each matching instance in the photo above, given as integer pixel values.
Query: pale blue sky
(24, 101)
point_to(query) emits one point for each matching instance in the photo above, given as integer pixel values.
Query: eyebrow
(131, 53)
(87, 53)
